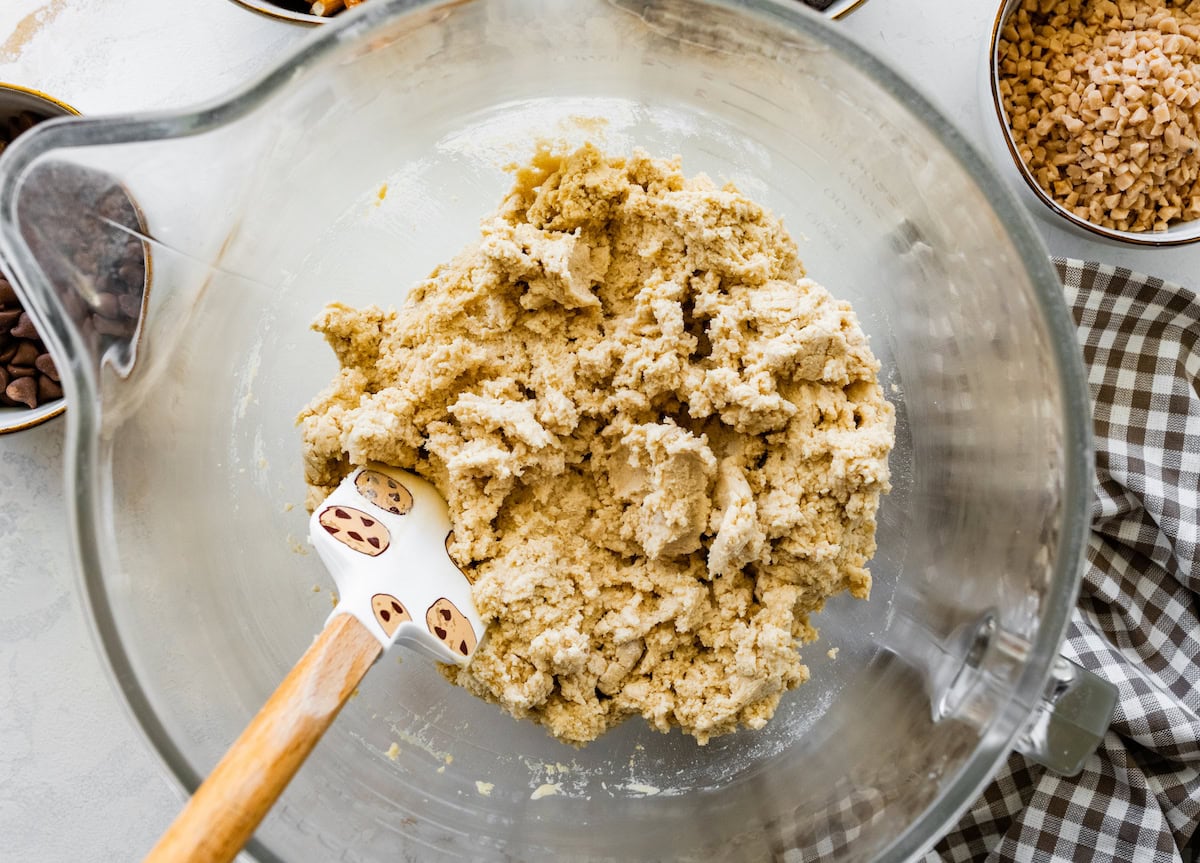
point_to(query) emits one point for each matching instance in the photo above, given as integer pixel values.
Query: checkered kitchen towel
(1137, 622)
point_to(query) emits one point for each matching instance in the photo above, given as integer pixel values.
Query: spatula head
(382, 535)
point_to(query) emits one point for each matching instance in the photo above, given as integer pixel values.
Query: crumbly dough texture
(662, 446)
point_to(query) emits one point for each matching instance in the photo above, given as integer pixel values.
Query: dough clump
(662, 446)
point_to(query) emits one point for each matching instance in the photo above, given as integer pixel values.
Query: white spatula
(383, 535)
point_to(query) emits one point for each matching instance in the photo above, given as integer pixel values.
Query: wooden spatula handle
(225, 810)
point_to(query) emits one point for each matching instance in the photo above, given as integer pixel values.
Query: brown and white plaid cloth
(1137, 622)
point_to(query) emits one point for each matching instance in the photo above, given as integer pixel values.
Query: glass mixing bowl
(368, 156)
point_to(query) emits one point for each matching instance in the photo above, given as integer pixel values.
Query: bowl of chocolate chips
(30, 388)
(90, 234)
(31, 392)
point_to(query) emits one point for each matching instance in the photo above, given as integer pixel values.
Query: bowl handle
(969, 673)
(1071, 719)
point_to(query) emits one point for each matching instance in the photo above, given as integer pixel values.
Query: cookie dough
(662, 446)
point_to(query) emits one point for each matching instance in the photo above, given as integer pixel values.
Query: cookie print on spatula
(451, 627)
(355, 529)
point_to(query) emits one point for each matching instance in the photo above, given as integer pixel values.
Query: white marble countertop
(76, 782)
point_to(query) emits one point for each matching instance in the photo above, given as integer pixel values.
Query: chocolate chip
(441, 633)
(341, 513)
(130, 305)
(355, 535)
(396, 607)
(367, 522)
(373, 541)
(114, 326)
(24, 328)
(45, 364)
(107, 305)
(74, 306)
(7, 294)
(23, 122)
(23, 391)
(385, 614)
(26, 354)
(6, 354)
(462, 648)
(15, 371)
(331, 529)
(446, 615)
(48, 390)
(8, 319)
(131, 270)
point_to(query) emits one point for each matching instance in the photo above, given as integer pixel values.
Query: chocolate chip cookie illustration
(389, 612)
(449, 539)
(450, 626)
(383, 491)
(354, 528)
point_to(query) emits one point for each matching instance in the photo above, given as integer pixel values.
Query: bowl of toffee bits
(30, 387)
(1099, 106)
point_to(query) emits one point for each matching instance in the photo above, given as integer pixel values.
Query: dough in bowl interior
(663, 447)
